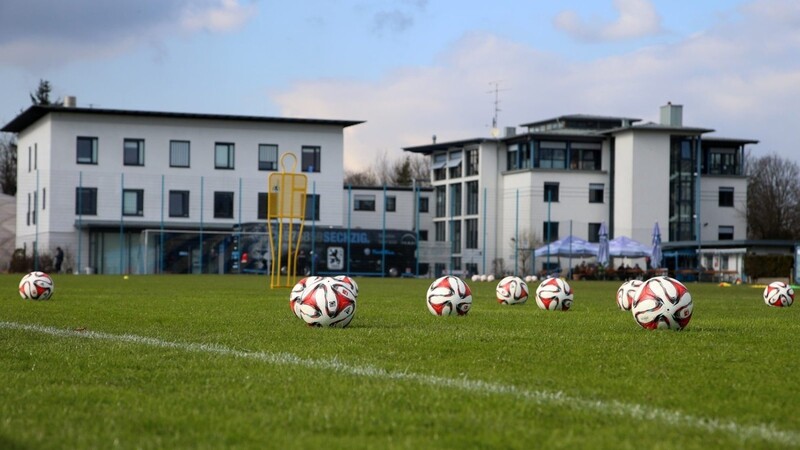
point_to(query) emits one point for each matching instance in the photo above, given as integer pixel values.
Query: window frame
(93, 150)
(224, 202)
(266, 164)
(364, 202)
(263, 206)
(391, 203)
(185, 197)
(81, 206)
(138, 199)
(224, 155)
(594, 188)
(726, 201)
(312, 207)
(173, 149)
(549, 186)
(138, 151)
(311, 158)
(723, 231)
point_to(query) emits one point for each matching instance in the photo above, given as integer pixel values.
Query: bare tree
(363, 178)
(773, 198)
(42, 94)
(8, 164)
(405, 172)
(528, 241)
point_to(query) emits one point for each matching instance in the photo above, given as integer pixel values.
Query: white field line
(547, 398)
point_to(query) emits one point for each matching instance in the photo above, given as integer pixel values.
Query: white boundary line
(547, 398)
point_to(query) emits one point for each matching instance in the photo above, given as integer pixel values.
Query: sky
(412, 69)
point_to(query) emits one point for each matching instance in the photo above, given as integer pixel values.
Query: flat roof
(581, 117)
(36, 112)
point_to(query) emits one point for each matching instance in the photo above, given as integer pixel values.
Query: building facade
(106, 184)
(496, 199)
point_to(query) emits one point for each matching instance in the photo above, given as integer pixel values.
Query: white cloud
(637, 18)
(728, 78)
(227, 15)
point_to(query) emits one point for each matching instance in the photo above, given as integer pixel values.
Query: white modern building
(495, 198)
(106, 184)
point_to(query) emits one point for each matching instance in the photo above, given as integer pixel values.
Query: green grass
(398, 377)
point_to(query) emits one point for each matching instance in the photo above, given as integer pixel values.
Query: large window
(267, 157)
(550, 231)
(439, 166)
(472, 161)
(179, 153)
(179, 203)
(472, 197)
(133, 152)
(310, 159)
(550, 192)
(441, 201)
(87, 150)
(312, 206)
(723, 161)
(553, 155)
(726, 196)
(512, 157)
(455, 199)
(455, 239)
(263, 204)
(472, 233)
(223, 155)
(363, 202)
(86, 201)
(454, 164)
(223, 205)
(596, 192)
(439, 231)
(725, 233)
(133, 202)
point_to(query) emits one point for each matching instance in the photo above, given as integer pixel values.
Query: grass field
(173, 362)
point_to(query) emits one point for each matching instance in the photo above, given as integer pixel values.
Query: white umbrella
(655, 258)
(603, 250)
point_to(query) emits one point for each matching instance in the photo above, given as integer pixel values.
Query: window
(472, 197)
(312, 206)
(472, 161)
(723, 161)
(596, 192)
(725, 233)
(44, 199)
(454, 164)
(550, 192)
(223, 155)
(550, 231)
(310, 159)
(87, 150)
(28, 214)
(594, 232)
(263, 204)
(439, 231)
(35, 207)
(512, 157)
(423, 204)
(179, 203)
(35, 156)
(29, 158)
(455, 199)
(472, 233)
(86, 201)
(456, 236)
(133, 202)
(223, 205)
(267, 157)
(133, 152)
(423, 235)
(391, 203)
(726, 196)
(441, 201)
(179, 153)
(363, 203)
(439, 166)
(553, 155)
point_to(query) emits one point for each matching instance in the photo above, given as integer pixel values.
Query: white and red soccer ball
(662, 302)
(554, 294)
(778, 294)
(449, 296)
(36, 286)
(297, 293)
(512, 291)
(349, 281)
(325, 303)
(626, 293)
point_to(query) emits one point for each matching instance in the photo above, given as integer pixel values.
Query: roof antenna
(496, 91)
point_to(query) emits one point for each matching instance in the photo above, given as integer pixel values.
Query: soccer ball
(662, 302)
(297, 292)
(490, 278)
(476, 277)
(554, 294)
(327, 303)
(36, 286)
(778, 294)
(626, 293)
(449, 296)
(351, 283)
(512, 291)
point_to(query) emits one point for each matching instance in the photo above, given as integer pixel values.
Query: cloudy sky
(416, 68)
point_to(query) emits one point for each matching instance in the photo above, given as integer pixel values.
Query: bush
(23, 263)
(763, 266)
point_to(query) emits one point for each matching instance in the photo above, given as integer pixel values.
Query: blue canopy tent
(625, 247)
(570, 247)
